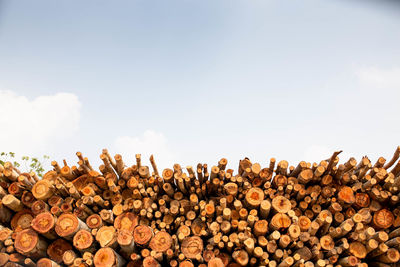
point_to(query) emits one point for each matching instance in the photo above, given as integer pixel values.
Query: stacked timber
(319, 214)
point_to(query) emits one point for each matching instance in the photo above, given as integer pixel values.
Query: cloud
(31, 126)
(380, 78)
(150, 142)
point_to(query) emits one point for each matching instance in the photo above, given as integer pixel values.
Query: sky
(195, 81)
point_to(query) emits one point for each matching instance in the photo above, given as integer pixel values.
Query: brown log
(150, 262)
(281, 204)
(68, 225)
(107, 257)
(42, 190)
(215, 262)
(241, 257)
(94, 221)
(22, 219)
(383, 218)
(44, 223)
(4, 257)
(346, 195)
(127, 221)
(254, 197)
(391, 256)
(45, 262)
(142, 235)
(358, 250)
(161, 242)
(13, 203)
(192, 246)
(56, 250)
(261, 228)
(68, 257)
(28, 242)
(107, 236)
(279, 221)
(83, 240)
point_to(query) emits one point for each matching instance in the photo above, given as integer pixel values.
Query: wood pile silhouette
(311, 214)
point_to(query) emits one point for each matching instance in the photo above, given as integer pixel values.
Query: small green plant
(26, 164)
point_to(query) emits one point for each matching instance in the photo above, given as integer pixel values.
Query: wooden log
(383, 218)
(57, 249)
(68, 257)
(83, 241)
(192, 246)
(68, 225)
(254, 197)
(13, 203)
(279, 221)
(127, 221)
(281, 204)
(29, 243)
(161, 241)
(107, 236)
(43, 190)
(94, 221)
(142, 235)
(107, 257)
(45, 262)
(44, 223)
(241, 257)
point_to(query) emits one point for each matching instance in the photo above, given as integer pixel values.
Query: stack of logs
(320, 214)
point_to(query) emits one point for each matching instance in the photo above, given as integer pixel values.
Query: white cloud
(31, 126)
(150, 142)
(379, 78)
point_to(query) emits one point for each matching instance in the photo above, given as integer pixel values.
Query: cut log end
(43, 222)
(104, 257)
(161, 242)
(26, 241)
(383, 218)
(254, 197)
(142, 235)
(192, 246)
(66, 225)
(83, 239)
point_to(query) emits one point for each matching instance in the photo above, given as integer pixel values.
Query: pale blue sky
(206, 79)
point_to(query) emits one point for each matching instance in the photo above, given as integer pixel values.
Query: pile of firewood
(320, 214)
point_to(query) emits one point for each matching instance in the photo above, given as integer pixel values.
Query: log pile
(320, 214)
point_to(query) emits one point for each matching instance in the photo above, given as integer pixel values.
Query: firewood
(310, 214)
